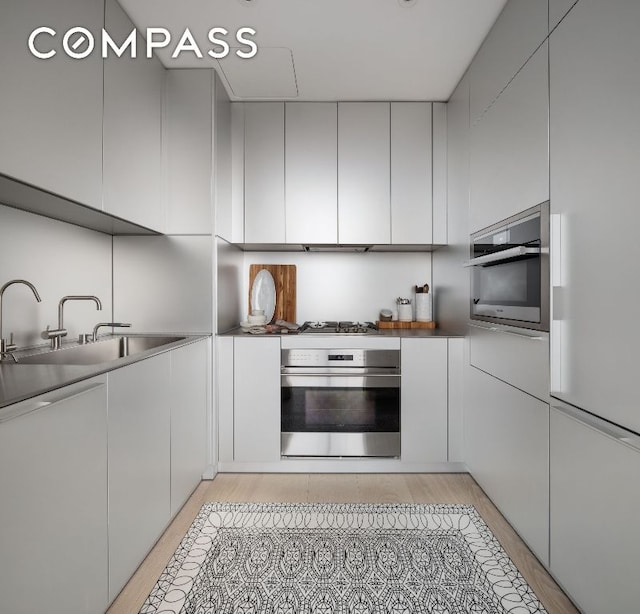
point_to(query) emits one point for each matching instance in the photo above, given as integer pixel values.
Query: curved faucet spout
(6, 346)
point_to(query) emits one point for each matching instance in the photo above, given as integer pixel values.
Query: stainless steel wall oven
(510, 271)
(340, 403)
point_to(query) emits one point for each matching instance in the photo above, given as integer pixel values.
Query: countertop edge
(437, 333)
(48, 378)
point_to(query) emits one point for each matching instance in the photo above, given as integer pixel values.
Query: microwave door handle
(507, 254)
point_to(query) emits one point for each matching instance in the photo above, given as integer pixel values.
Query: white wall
(164, 284)
(58, 259)
(346, 286)
(231, 294)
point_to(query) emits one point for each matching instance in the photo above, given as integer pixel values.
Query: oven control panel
(340, 358)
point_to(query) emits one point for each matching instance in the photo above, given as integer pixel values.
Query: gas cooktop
(342, 327)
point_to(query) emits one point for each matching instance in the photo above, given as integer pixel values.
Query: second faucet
(56, 335)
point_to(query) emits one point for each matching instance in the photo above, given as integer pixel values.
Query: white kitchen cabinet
(423, 399)
(455, 401)
(411, 173)
(224, 397)
(53, 516)
(440, 173)
(133, 89)
(595, 543)
(139, 463)
(507, 451)
(187, 150)
(228, 165)
(51, 110)
(557, 10)
(264, 209)
(189, 436)
(519, 30)
(256, 400)
(595, 148)
(364, 209)
(517, 357)
(509, 166)
(311, 168)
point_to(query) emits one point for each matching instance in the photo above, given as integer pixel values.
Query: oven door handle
(339, 381)
(506, 254)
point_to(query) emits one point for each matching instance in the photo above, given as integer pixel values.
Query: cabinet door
(132, 129)
(139, 473)
(509, 165)
(51, 110)
(517, 358)
(256, 396)
(189, 435)
(519, 30)
(187, 150)
(364, 211)
(53, 516)
(423, 394)
(507, 452)
(595, 149)
(311, 173)
(557, 10)
(264, 172)
(411, 173)
(595, 543)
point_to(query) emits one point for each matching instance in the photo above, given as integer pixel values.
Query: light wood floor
(343, 488)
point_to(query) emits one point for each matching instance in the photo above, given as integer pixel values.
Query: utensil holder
(405, 312)
(423, 307)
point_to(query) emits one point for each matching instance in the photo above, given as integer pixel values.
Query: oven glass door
(340, 404)
(509, 290)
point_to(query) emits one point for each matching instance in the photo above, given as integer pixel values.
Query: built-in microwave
(510, 270)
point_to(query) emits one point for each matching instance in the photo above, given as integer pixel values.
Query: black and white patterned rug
(340, 559)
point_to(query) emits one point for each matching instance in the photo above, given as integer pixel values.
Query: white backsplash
(347, 286)
(58, 259)
(164, 284)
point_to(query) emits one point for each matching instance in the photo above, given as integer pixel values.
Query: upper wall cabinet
(411, 172)
(371, 173)
(187, 150)
(51, 109)
(132, 129)
(311, 172)
(264, 172)
(520, 29)
(509, 166)
(364, 208)
(557, 10)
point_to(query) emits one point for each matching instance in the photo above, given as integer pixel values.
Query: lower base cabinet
(190, 366)
(423, 398)
(595, 498)
(53, 512)
(256, 398)
(139, 463)
(507, 452)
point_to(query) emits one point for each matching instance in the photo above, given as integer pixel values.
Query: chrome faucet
(7, 346)
(57, 334)
(94, 336)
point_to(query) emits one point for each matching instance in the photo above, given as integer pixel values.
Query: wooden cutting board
(398, 324)
(284, 276)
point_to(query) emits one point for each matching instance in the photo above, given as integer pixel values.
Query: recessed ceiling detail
(270, 74)
(355, 50)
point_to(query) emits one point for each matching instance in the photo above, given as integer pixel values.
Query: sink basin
(106, 350)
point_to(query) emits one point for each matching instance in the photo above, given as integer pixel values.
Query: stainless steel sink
(106, 350)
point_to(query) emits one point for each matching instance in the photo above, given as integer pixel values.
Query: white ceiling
(330, 49)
